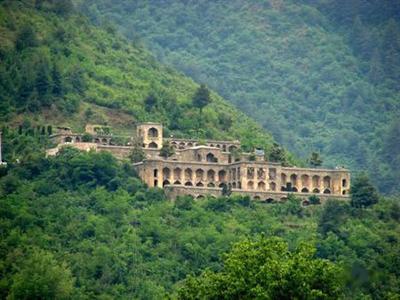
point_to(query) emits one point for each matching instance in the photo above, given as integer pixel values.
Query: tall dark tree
(363, 193)
(315, 160)
(202, 97)
(26, 38)
(58, 89)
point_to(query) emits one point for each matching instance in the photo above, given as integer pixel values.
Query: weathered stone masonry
(203, 169)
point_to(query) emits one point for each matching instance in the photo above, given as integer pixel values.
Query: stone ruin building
(203, 169)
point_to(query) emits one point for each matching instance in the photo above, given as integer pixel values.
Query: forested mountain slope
(58, 69)
(320, 75)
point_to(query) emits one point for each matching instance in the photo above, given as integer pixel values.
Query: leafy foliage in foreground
(88, 221)
(266, 269)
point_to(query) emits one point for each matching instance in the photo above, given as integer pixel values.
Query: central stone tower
(151, 135)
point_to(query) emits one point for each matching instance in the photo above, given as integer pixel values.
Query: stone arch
(152, 132)
(316, 191)
(232, 148)
(261, 186)
(250, 185)
(315, 181)
(211, 158)
(293, 180)
(269, 200)
(68, 139)
(218, 146)
(305, 180)
(294, 189)
(200, 184)
(344, 192)
(188, 183)
(305, 190)
(211, 145)
(210, 184)
(211, 175)
(166, 173)
(190, 144)
(222, 176)
(104, 141)
(165, 182)
(181, 145)
(177, 182)
(344, 182)
(177, 173)
(221, 185)
(199, 174)
(239, 185)
(78, 139)
(188, 174)
(283, 179)
(272, 186)
(327, 191)
(327, 182)
(153, 145)
(234, 185)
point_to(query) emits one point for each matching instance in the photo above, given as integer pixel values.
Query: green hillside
(82, 226)
(319, 75)
(58, 69)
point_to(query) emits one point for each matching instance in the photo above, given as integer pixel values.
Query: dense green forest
(58, 69)
(319, 75)
(83, 226)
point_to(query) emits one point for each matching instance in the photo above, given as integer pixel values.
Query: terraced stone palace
(201, 169)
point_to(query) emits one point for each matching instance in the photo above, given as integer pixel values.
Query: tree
(363, 193)
(26, 38)
(201, 99)
(267, 269)
(315, 160)
(137, 154)
(150, 102)
(226, 190)
(41, 277)
(277, 153)
(58, 88)
(167, 151)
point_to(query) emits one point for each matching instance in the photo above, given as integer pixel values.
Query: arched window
(315, 181)
(211, 175)
(200, 184)
(177, 173)
(222, 176)
(327, 191)
(152, 133)
(188, 174)
(344, 192)
(232, 148)
(316, 191)
(97, 140)
(272, 186)
(250, 185)
(199, 174)
(153, 145)
(344, 182)
(188, 183)
(198, 157)
(177, 182)
(304, 190)
(327, 182)
(190, 144)
(166, 173)
(234, 185)
(211, 158)
(165, 182)
(261, 186)
(269, 200)
(211, 184)
(181, 145)
(305, 180)
(104, 141)
(293, 179)
(77, 139)
(306, 203)
(68, 139)
(283, 179)
(294, 189)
